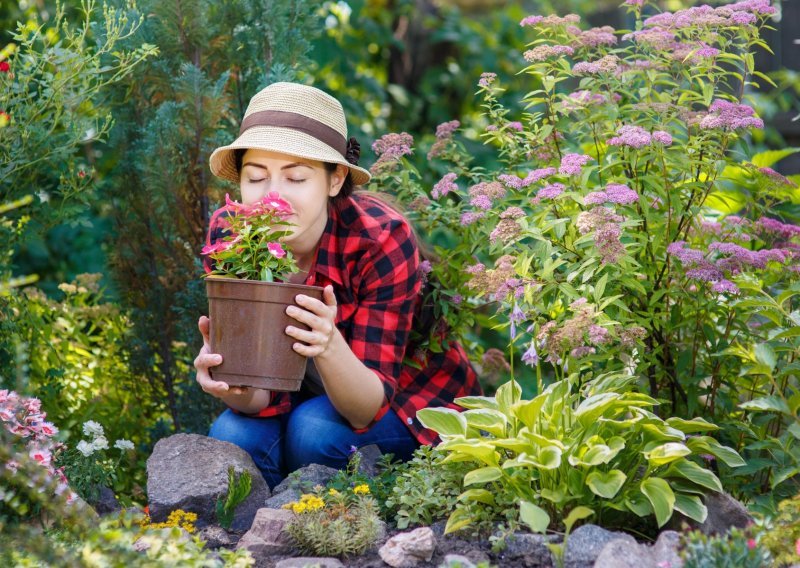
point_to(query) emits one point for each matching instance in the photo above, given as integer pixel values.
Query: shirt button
(409, 421)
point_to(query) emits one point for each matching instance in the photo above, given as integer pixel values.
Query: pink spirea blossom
(446, 129)
(533, 176)
(544, 52)
(632, 136)
(581, 99)
(515, 126)
(593, 37)
(582, 351)
(276, 250)
(548, 192)
(775, 176)
(595, 198)
(638, 3)
(662, 137)
(550, 21)
(481, 202)
(487, 79)
(469, 217)
(655, 38)
(506, 231)
(444, 186)
(621, 194)
(571, 164)
(730, 116)
(773, 226)
(390, 148)
(598, 335)
(606, 64)
(512, 213)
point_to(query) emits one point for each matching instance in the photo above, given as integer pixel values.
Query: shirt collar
(325, 260)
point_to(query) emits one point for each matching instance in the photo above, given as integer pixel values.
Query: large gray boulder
(586, 542)
(190, 472)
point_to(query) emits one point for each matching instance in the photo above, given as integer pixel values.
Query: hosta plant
(597, 445)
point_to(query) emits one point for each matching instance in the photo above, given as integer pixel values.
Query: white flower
(123, 445)
(100, 443)
(92, 428)
(85, 448)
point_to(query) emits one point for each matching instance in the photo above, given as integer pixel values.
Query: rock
(625, 554)
(106, 502)
(724, 512)
(266, 537)
(456, 561)
(586, 542)
(215, 537)
(408, 549)
(665, 550)
(370, 455)
(305, 478)
(525, 549)
(309, 562)
(189, 472)
(279, 500)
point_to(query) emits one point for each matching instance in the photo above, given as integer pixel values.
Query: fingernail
(218, 359)
(301, 298)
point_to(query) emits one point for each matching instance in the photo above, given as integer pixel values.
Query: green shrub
(781, 534)
(334, 523)
(737, 548)
(596, 445)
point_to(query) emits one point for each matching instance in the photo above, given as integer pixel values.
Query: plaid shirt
(368, 253)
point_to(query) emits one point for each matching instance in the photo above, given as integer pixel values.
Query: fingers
(203, 362)
(204, 325)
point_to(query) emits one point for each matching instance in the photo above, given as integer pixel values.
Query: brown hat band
(315, 128)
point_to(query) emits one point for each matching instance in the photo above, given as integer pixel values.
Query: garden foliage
(629, 230)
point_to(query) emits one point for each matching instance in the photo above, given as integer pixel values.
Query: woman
(293, 140)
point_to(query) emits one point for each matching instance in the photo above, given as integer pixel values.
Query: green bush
(736, 548)
(596, 446)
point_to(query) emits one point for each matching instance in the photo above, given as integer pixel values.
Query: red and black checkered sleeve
(386, 297)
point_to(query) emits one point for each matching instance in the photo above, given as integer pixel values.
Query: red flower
(4, 67)
(751, 543)
(81, 173)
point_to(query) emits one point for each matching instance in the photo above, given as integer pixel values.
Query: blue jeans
(313, 432)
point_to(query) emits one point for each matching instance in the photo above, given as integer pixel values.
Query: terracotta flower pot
(248, 319)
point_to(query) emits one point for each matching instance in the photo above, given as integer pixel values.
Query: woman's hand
(205, 360)
(320, 317)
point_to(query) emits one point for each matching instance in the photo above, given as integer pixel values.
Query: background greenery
(125, 104)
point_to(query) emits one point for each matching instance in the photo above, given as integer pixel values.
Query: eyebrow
(286, 167)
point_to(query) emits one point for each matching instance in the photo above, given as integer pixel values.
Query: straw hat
(293, 119)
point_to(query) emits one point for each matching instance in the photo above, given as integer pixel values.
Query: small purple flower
(531, 357)
(444, 186)
(469, 217)
(545, 52)
(633, 136)
(491, 128)
(582, 351)
(515, 126)
(725, 286)
(730, 116)
(481, 202)
(487, 79)
(517, 317)
(446, 129)
(598, 335)
(595, 198)
(548, 192)
(457, 299)
(571, 164)
(662, 137)
(621, 194)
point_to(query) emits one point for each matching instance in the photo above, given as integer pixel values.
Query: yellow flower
(361, 489)
(332, 491)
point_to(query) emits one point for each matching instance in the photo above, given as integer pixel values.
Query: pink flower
(219, 246)
(797, 547)
(41, 456)
(273, 202)
(751, 543)
(276, 250)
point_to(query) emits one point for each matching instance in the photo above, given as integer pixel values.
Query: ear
(337, 180)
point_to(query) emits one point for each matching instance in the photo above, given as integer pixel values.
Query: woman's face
(304, 183)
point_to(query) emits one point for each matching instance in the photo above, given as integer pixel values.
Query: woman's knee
(317, 433)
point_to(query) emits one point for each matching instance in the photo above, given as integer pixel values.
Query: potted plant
(247, 306)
